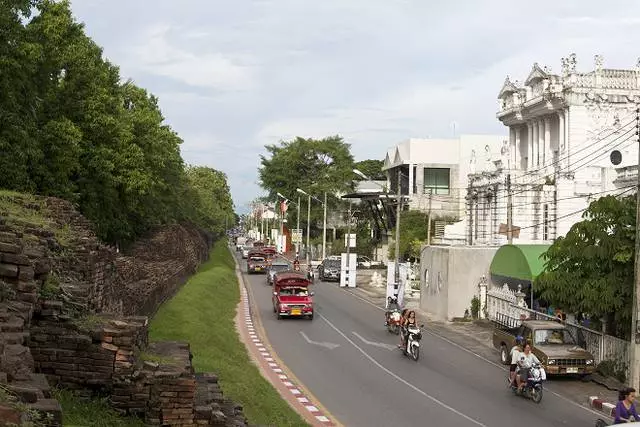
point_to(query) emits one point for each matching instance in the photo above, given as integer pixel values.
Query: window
(436, 180)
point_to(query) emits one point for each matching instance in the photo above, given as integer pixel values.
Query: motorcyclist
(526, 361)
(392, 305)
(407, 320)
(515, 352)
(296, 265)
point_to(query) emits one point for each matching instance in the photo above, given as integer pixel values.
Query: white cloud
(156, 54)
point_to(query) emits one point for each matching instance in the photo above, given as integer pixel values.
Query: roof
(546, 324)
(523, 262)
(297, 277)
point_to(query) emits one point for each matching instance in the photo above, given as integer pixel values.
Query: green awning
(522, 262)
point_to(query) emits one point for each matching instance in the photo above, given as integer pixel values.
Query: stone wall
(73, 313)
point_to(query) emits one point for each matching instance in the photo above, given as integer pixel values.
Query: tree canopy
(72, 129)
(413, 232)
(372, 169)
(591, 269)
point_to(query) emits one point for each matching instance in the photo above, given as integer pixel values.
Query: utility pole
(308, 231)
(283, 241)
(509, 211)
(429, 218)
(398, 210)
(298, 227)
(348, 244)
(324, 229)
(634, 377)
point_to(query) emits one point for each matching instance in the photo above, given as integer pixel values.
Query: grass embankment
(203, 314)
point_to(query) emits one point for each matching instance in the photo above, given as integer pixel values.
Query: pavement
(347, 361)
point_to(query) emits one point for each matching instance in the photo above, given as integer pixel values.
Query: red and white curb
(602, 406)
(273, 365)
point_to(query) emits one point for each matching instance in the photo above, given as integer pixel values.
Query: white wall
(453, 275)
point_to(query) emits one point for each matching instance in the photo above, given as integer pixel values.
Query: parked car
(551, 342)
(277, 266)
(367, 262)
(329, 270)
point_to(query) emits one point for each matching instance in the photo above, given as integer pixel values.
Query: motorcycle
(393, 322)
(412, 345)
(533, 388)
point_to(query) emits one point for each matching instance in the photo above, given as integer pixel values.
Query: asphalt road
(364, 381)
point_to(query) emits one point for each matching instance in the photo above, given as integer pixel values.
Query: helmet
(519, 339)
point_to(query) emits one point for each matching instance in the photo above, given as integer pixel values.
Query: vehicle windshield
(257, 259)
(279, 267)
(333, 264)
(553, 336)
(301, 292)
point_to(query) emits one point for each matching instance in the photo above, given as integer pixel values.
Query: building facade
(434, 172)
(571, 140)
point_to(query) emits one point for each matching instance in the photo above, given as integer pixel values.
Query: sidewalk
(477, 337)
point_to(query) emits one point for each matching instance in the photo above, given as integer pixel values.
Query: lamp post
(284, 245)
(399, 209)
(307, 251)
(298, 226)
(324, 228)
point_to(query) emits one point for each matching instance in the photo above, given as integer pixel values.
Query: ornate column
(534, 144)
(517, 156)
(540, 156)
(548, 155)
(561, 141)
(529, 146)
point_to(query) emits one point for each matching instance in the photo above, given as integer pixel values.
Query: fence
(508, 308)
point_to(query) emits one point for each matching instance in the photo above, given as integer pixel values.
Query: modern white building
(571, 140)
(434, 172)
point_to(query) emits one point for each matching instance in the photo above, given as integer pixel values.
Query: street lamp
(398, 210)
(308, 254)
(324, 226)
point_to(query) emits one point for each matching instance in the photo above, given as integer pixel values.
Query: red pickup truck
(291, 295)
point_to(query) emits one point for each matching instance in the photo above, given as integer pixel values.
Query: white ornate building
(568, 133)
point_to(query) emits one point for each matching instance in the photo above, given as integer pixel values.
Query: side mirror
(422, 326)
(312, 294)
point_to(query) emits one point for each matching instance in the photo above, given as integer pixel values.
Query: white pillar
(548, 155)
(561, 140)
(534, 144)
(517, 156)
(411, 178)
(529, 146)
(540, 156)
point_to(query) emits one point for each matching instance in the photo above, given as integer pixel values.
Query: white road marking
(375, 344)
(328, 345)
(400, 379)
(481, 357)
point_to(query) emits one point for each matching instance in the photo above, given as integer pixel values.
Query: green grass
(91, 413)
(203, 313)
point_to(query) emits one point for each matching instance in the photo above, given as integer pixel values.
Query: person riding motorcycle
(296, 265)
(526, 361)
(392, 305)
(407, 321)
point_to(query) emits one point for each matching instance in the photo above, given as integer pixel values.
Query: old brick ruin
(74, 314)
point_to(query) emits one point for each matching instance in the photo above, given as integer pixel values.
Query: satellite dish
(616, 157)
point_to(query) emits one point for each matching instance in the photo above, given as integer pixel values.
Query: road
(349, 362)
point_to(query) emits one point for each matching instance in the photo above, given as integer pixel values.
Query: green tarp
(522, 262)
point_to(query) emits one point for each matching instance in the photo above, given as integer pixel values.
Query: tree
(72, 129)
(591, 269)
(372, 169)
(314, 165)
(413, 229)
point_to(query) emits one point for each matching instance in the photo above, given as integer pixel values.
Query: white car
(367, 262)
(245, 252)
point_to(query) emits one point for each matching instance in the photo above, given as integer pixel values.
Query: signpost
(296, 235)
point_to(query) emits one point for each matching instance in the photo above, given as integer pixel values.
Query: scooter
(533, 388)
(412, 346)
(393, 322)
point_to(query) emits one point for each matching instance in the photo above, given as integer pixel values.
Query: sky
(235, 75)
